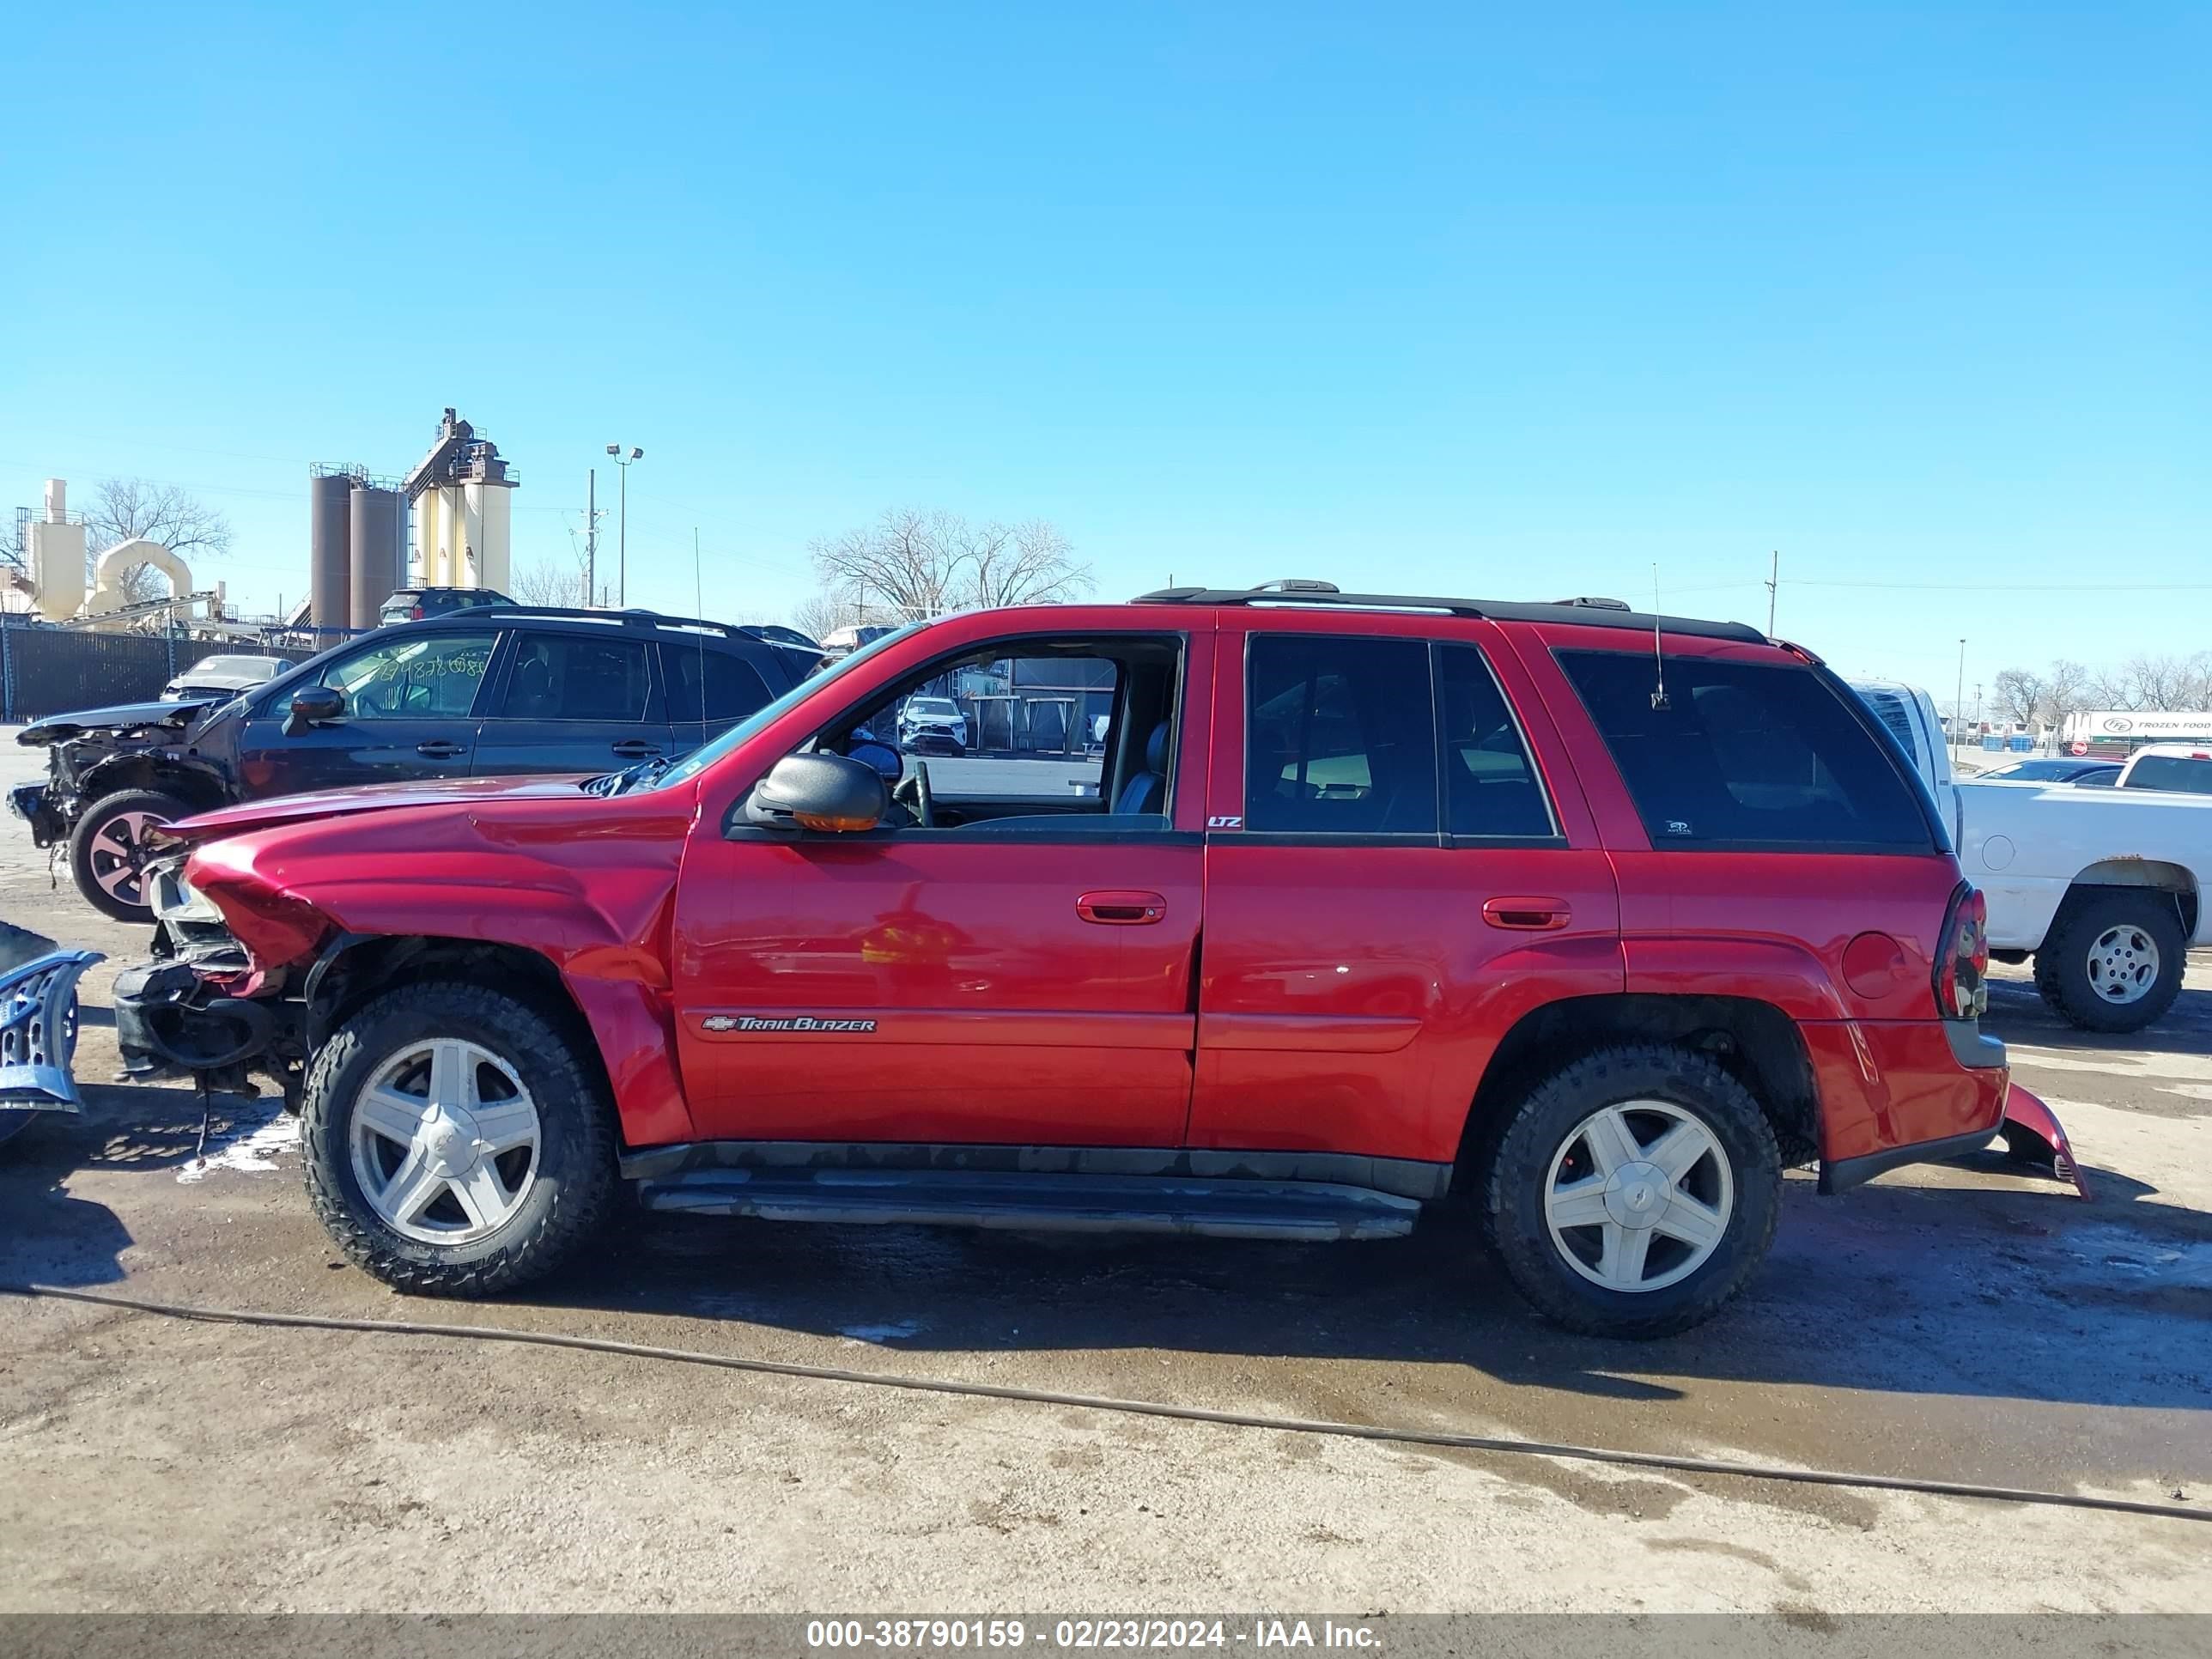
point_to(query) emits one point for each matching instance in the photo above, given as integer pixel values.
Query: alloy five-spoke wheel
(1639, 1196)
(460, 1140)
(445, 1141)
(1633, 1191)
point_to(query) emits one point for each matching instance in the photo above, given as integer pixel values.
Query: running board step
(1311, 1211)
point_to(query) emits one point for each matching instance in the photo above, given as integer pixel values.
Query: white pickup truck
(2101, 887)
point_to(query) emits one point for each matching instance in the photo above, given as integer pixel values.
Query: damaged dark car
(494, 692)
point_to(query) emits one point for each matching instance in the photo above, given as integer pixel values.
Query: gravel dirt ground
(1965, 1322)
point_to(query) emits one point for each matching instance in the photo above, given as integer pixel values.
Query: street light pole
(622, 533)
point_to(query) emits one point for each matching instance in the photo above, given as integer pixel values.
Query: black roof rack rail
(1584, 612)
(634, 617)
(1271, 594)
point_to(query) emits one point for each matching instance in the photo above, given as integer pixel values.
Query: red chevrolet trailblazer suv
(1596, 920)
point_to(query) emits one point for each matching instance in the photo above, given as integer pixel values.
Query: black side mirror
(312, 705)
(833, 793)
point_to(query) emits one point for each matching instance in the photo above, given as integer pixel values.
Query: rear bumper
(1894, 1092)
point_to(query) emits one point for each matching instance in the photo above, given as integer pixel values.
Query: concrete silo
(330, 546)
(378, 520)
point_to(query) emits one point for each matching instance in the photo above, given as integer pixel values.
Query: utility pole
(1958, 703)
(1773, 582)
(591, 535)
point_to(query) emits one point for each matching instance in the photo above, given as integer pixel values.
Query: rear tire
(105, 856)
(2113, 962)
(1566, 1227)
(462, 1202)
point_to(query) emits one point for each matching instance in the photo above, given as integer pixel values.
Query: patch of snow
(251, 1145)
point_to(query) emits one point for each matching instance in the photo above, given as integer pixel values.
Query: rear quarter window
(1746, 754)
(2178, 772)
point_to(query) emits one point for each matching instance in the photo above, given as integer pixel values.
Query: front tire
(108, 851)
(2114, 963)
(456, 1143)
(1634, 1193)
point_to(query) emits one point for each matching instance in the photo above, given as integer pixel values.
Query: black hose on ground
(1501, 1445)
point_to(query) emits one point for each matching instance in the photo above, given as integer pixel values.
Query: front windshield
(707, 753)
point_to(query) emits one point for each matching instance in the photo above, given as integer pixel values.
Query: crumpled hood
(122, 717)
(373, 798)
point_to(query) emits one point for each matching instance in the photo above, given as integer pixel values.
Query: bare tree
(820, 615)
(2068, 692)
(2108, 690)
(2019, 695)
(2141, 684)
(133, 509)
(1031, 564)
(911, 564)
(903, 566)
(548, 582)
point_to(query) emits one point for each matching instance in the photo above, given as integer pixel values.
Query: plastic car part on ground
(2032, 1133)
(38, 1034)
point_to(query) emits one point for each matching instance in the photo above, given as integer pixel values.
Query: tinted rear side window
(576, 676)
(1747, 754)
(710, 685)
(2172, 772)
(1339, 737)
(1490, 788)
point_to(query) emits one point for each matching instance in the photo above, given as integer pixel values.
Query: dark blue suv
(493, 689)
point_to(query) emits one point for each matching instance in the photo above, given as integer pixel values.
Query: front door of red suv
(1019, 974)
(1394, 876)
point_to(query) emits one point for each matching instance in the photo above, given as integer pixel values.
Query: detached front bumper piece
(38, 1031)
(170, 1021)
(34, 802)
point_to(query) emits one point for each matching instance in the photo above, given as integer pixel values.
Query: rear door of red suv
(1398, 864)
(1771, 844)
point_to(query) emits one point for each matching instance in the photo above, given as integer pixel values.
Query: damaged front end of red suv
(271, 918)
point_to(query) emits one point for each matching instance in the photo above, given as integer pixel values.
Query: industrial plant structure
(462, 509)
(357, 527)
(356, 546)
(55, 566)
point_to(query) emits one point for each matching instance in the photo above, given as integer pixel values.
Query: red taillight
(1962, 965)
(416, 615)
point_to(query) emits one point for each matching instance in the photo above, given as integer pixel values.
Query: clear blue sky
(1429, 298)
